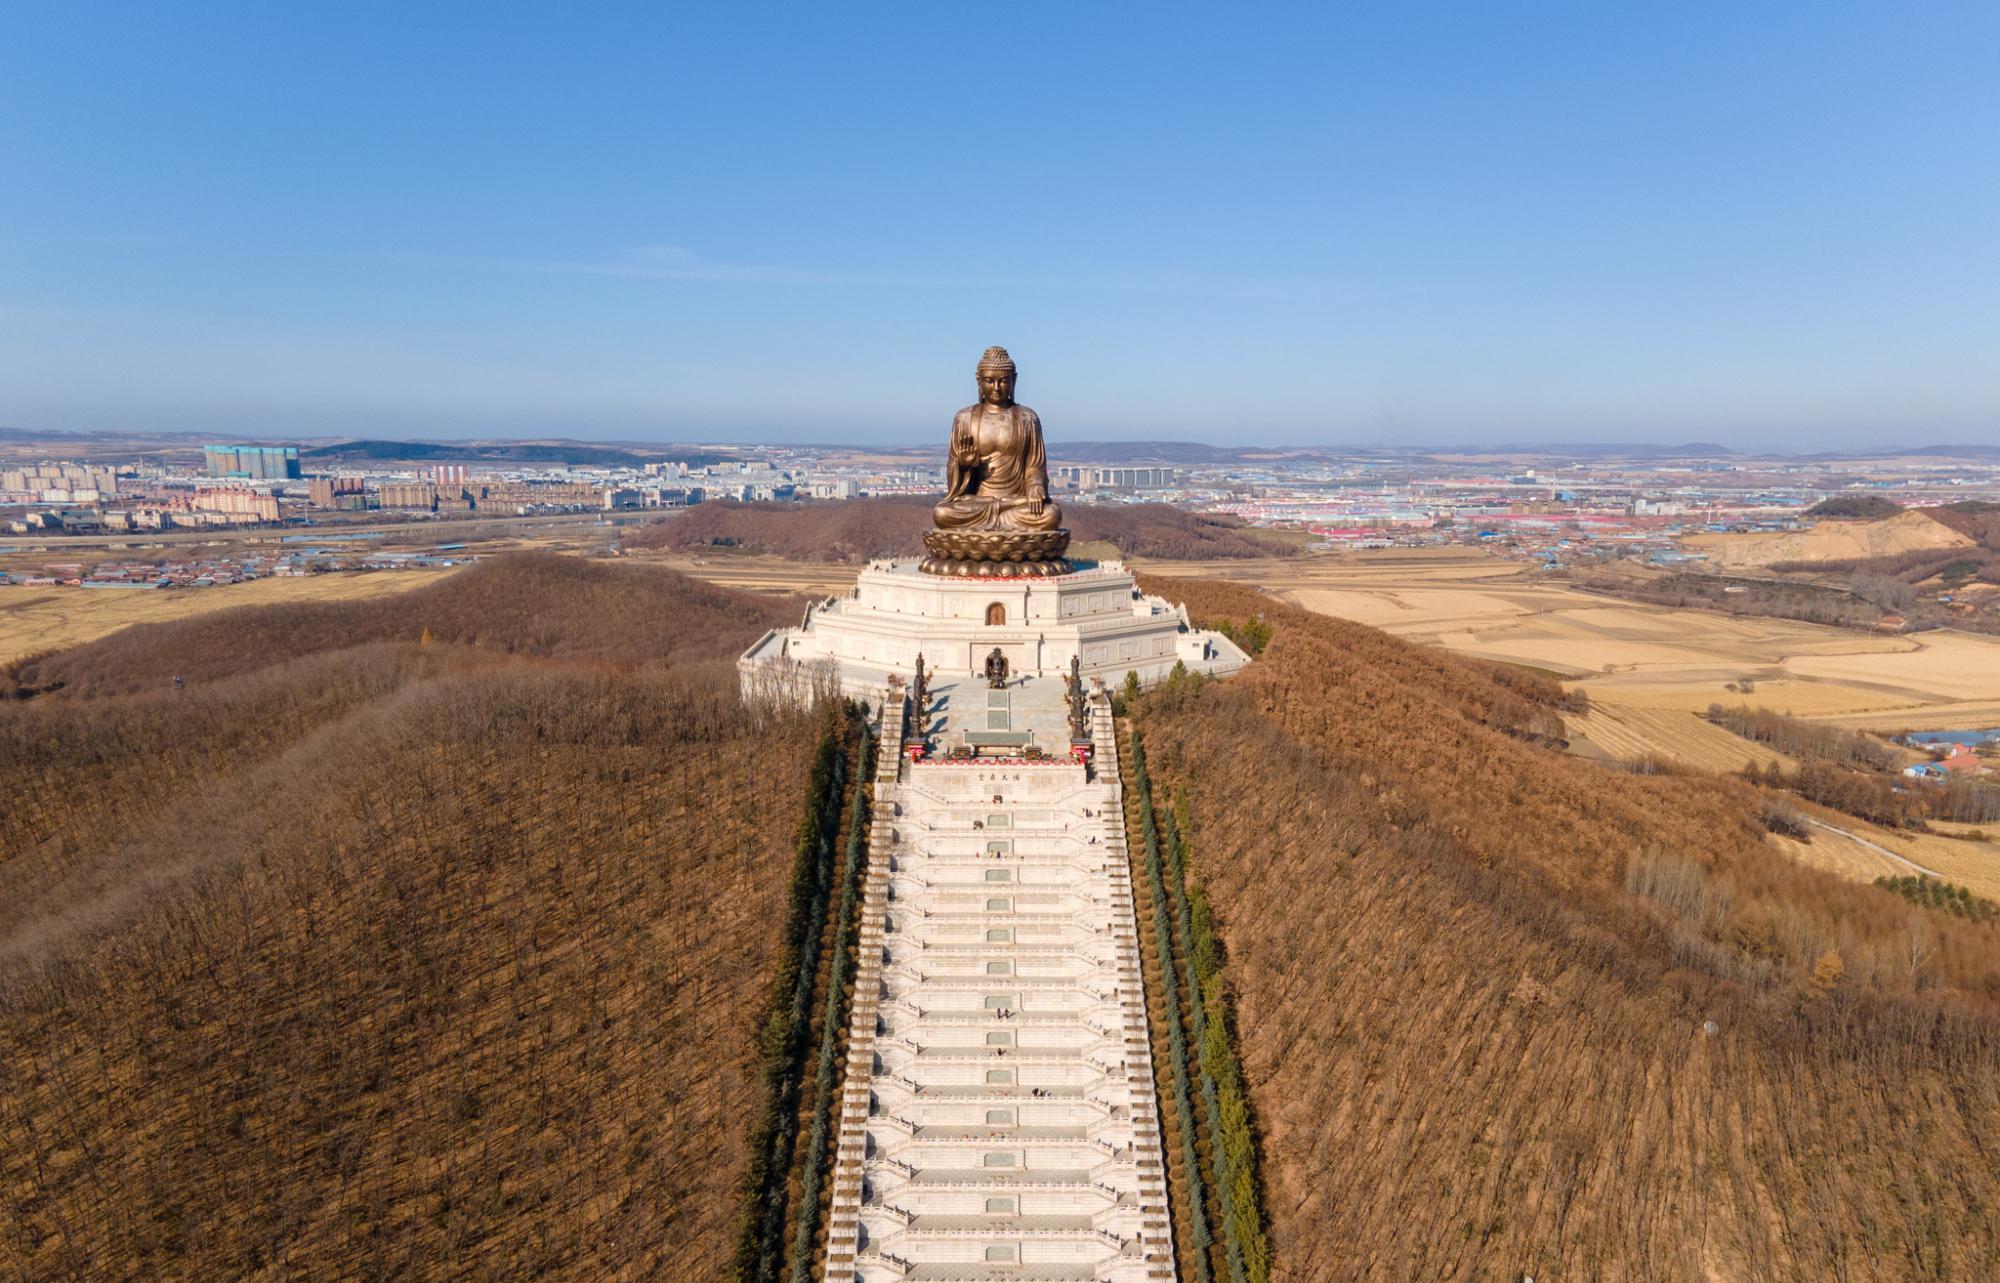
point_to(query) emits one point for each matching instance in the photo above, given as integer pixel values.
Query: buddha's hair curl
(996, 358)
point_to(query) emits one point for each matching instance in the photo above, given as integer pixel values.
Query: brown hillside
(1474, 978)
(1973, 519)
(395, 961)
(1832, 541)
(529, 603)
(859, 529)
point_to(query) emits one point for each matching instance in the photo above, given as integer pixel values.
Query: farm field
(1844, 850)
(1952, 715)
(758, 573)
(1628, 732)
(1650, 671)
(1970, 864)
(1840, 855)
(38, 619)
(1632, 654)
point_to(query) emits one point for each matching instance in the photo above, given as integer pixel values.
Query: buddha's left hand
(1035, 503)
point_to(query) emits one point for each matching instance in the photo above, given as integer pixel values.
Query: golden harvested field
(759, 573)
(1948, 716)
(1626, 653)
(1839, 855)
(1627, 732)
(1970, 864)
(1844, 845)
(38, 619)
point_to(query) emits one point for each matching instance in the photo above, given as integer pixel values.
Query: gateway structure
(995, 577)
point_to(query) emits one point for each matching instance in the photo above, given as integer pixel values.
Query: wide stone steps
(1075, 1155)
(1009, 1095)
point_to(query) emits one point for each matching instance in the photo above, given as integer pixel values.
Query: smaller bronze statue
(996, 669)
(1079, 710)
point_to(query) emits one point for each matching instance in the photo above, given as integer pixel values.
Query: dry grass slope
(390, 961)
(1624, 733)
(1475, 978)
(34, 620)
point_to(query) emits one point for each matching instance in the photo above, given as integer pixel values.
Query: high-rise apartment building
(327, 492)
(237, 501)
(256, 462)
(1086, 476)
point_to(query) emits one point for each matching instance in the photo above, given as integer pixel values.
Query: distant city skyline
(1767, 226)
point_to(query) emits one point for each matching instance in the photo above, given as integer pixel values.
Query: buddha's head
(996, 378)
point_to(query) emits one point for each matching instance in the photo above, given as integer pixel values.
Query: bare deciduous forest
(384, 959)
(1868, 507)
(367, 956)
(556, 607)
(1977, 518)
(1507, 1012)
(858, 529)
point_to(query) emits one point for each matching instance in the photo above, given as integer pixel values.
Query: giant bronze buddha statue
(996, 518)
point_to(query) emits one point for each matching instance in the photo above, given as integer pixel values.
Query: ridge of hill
(855, 530)
(1975, 519)
(1504, 1011)
(368, 958)
(610, 612)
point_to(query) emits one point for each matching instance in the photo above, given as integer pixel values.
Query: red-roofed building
(1961, 761)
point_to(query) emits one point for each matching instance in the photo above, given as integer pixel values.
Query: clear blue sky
(1774, 224)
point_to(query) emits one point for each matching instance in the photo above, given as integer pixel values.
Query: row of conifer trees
(833, 1018)
(784, 1044)
(1201, 1050)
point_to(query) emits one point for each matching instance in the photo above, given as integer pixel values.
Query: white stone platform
(896, 611)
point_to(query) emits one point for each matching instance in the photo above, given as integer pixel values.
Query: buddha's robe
(994, 469)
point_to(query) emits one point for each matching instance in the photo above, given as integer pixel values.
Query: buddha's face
(996, 387)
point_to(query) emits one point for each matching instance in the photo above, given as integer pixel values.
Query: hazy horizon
(1058, 447)
(1458, 225)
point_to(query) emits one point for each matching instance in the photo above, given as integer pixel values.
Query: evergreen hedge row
(805, 1228)
(781, 1043)
(1194, 967)
(1177, 1057)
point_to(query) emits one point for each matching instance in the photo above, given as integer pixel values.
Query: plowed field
(1625, 733)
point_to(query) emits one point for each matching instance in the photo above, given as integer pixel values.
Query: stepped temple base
(1039, 621)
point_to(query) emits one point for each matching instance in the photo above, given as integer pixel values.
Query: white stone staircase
(1001, 1125)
